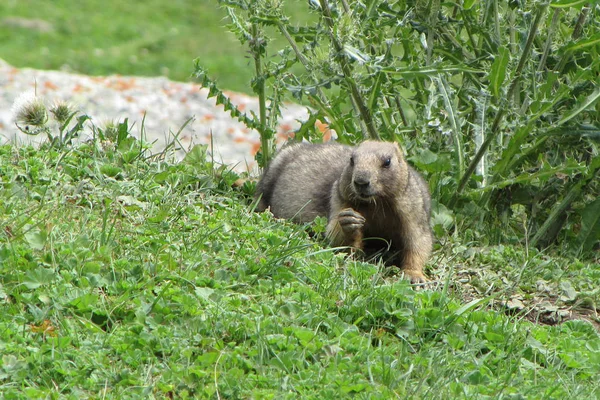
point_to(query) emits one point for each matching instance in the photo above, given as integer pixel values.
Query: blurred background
(143, 38)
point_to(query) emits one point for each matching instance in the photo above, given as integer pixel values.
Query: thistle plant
(62, 111)
(497, 103)
(31, 116)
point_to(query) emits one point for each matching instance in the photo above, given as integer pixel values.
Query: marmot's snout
(362, 184)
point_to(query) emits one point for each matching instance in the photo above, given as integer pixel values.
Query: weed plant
(496, 102)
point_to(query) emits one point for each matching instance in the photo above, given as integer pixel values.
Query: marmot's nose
(361, 183)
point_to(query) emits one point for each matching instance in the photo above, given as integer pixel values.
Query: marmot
(372, 198)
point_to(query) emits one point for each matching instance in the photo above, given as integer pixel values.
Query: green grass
(123, 276)
(126, 277)
(147, 38)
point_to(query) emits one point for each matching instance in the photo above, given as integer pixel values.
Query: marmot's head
(376, 171)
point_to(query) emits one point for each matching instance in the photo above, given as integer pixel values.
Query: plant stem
(265, 142)
(500, 113)
(303, 60)
(346, 7)
(557, 212)
(496, 16)
(454, 123)
(399, 107)
(468, 23)
(549, 224)
(580, 22)
(575, 35)
(551, 28)
(369, 130)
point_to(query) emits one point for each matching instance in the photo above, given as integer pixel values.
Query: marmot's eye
(352, 161)
(387, 162)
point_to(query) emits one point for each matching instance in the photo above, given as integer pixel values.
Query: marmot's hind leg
(416, 252)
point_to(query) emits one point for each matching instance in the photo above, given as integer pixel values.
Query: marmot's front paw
(351, 221)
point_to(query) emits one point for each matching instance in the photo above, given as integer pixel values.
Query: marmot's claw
(348, 214)
(415, 277)
(350, 220)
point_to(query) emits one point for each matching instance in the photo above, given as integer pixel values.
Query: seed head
(29, 109)
(61, 110)
(110, 130)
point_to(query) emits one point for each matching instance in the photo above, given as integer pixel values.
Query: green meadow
(125, 275)
(146, 38)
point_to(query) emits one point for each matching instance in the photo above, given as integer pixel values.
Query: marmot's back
(298, 181)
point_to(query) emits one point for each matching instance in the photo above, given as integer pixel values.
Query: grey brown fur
(372, 198)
